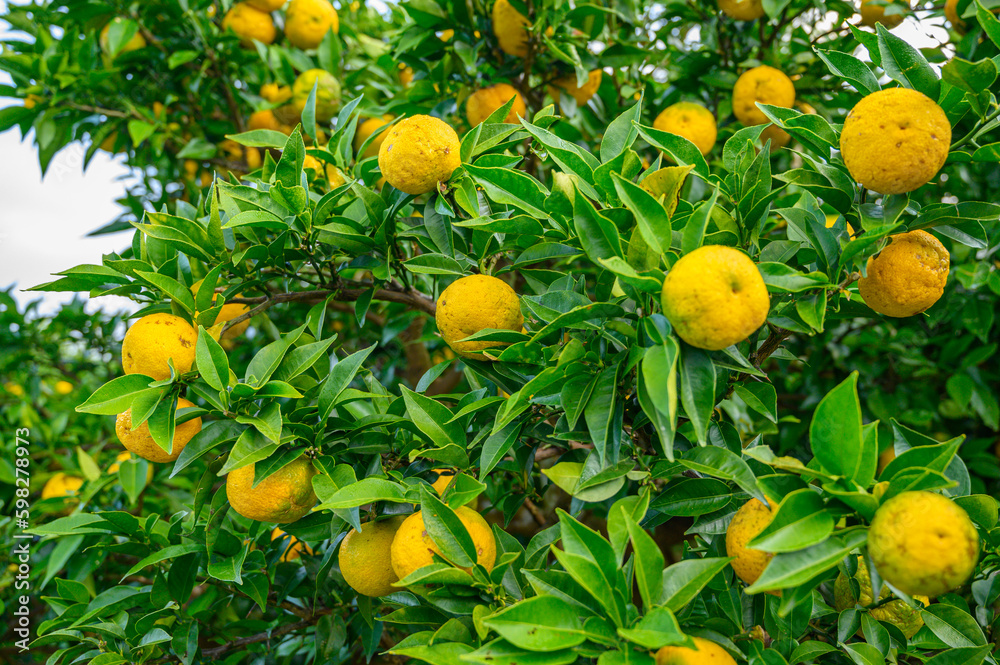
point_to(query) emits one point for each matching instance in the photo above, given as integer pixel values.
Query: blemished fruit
(443, 480)
(874, 11)
(266, 5)
(366, 129)
(475, 303)
(140, 441)
(705, 652)
(906, 277)
(923, 543)
(896, 140)
(285, 496)
(293, 549)
(742, 10)
(511, 29)
(581, 93)
(124, 457)
(896, 612)
(228, 312)
(249, 24)
(412, 546)
(365, 557)
(763, 84)
(482, 103)
(418, 153)
(752, 518)
(61, 485)
(308, 21)
(63, 387)
(154, 339)
(135, 43)
(691, 121)
(715, 297)
(327, 92)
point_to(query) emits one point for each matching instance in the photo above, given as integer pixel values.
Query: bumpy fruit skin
(475, 303)
(327, 92)
(366, 129)
(691, 121)
(906, 277)
(763, 84)
(895, 140)
(752, 518)
(412, 546)
(308, 21)
(482, 103)
(923, 543)
(705, 652)
(418, 153)
(581, 93)
(872, 13)
(140, 441)
(365, 557)
(250, 23)
(715, 297)
(511, 29)
(61, 485)
(153, 339)
(284, 496)
(742, 10)
(137, 42)
(896, 612)
(293, 549)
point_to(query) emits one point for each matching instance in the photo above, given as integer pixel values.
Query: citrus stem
(977, 131)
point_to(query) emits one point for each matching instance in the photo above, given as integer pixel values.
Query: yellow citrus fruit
(308, 21)
(366, 129)
(895, 140)
(365, 557)
(885, 458)
(418, 153)
(752, 518)
(333, 176)
(264, 120)
(154, 339)
(61, 484)
(485, 101)
(126, 455)
(137, 42)
(32, 100)
(443, 480)
(691, 121)
(581, 93)
(715, 297)
(896, 612)
(779, 138)
(763, 84)
(405, 75)
(475, 303)
(327, 92)
(250, 23)
(140, 441)
(275, 94)
(446, 35)
(873, 11)
(705, 652)
(923, 543)
(742, 10)
(14, 389)
(511, 29)
(284, 496)
(294, 548)
(266, 5)
(228, 312)
(906, 277)
(412, 546)
(64, 387)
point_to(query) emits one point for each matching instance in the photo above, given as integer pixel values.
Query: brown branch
(536, 513)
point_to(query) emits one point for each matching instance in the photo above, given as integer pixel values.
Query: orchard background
(607, 453)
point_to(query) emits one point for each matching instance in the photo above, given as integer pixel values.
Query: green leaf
(432, 418)
(367, 490)
(340, 377)
(794, 568)
(953, 626)
(761, 397)
(648, 564)
(446, 529)
(906, 65)
(697, 389)
(780, 277)
(801, 521)
(170, 287)
(683, 581)
(117, 395)
(694, 230)
(511, 187)
(657, 629)
(213, 364)
(621, 133)
(542, 623)
(851, 69)
(835, 435)
(598, 234)
(722, 463)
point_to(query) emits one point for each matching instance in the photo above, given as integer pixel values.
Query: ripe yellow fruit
(872, 13)
(779, 138)
(140, 441)
(294, 548)
(885, 458)
(742, 10)
(442, 482)
(418, 153)
(405, 75)
(581, 94)
(691, 121)
(752, 518)
(327, 92)
(63, 387)
(485, 101)
(906, 277)
(333, 176)
(923, 543)
(264, 120)
(511, 29)
(475, 303)
(228, 312)
(266, 5)
(154, 339)
(137, 42)
(715, 297)
(896, 612)
(412, 546)
(447, 35)
(366, 129)
(308, 21)
(763, 84)
(124, 456)
(61, 485)
(365, 557)
(895, 140)
(285, 496)
(705, 652)
(274, 93)
(250, 23)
